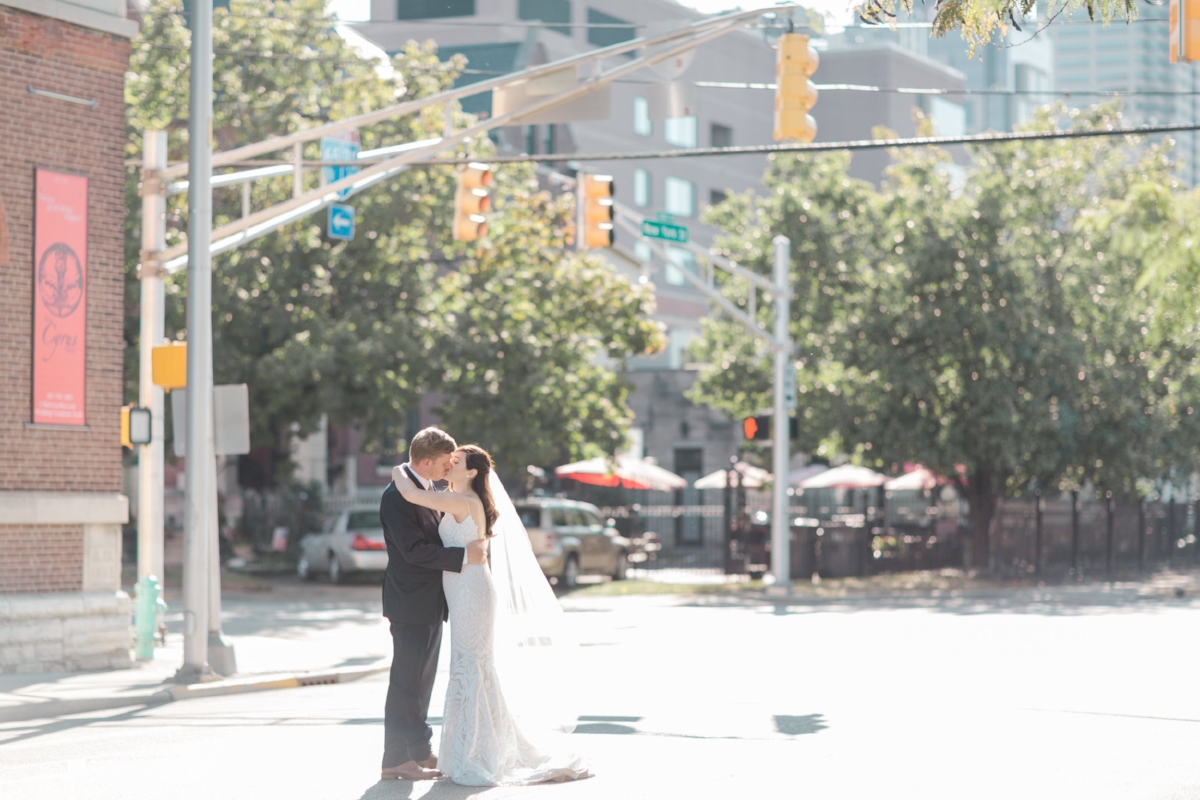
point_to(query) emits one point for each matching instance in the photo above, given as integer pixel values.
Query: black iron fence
(1083, 535)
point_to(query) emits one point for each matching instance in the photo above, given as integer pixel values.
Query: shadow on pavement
(445, 789)
(1046, 602)
(798, 726)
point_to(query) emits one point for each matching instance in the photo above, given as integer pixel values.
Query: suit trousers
(406, 734)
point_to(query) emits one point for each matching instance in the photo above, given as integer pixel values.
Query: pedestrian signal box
(756, 428)
(169, 365)
(471, 202)
(795, 95)
(595, 204)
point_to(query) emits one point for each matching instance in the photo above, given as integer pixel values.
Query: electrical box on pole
(795, 95)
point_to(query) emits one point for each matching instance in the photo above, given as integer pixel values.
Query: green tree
(983, 333)
(353, 329)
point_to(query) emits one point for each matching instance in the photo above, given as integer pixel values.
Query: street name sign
(341, 222)
(653, 229)
(340, 146)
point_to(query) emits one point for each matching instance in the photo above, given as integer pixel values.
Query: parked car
(351, 542)
(570, 539)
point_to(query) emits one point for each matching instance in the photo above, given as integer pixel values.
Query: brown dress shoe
(429, 763)
(409, 771)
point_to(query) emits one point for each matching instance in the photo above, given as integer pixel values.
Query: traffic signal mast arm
(262, 222)
(624, 221)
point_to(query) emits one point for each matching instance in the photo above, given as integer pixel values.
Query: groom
(414, 603)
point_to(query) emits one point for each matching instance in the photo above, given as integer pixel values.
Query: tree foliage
(988, 331)
(981, 21)
(364, 330)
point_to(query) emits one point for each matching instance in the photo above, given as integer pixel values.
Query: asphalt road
(1064, 693)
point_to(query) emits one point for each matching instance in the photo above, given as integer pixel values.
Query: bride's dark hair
(479, 460)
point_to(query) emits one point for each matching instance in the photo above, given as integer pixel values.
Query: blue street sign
(341, 146)
(341, 222)
(663, 230)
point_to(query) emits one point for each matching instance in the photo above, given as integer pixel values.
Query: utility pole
(198, 489)
(150, 456)
(780, 528)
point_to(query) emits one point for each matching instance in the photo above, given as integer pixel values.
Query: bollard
(147, 616)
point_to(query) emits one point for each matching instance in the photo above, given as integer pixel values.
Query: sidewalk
(282, 638)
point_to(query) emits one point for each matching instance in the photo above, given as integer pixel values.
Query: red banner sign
(59, 298)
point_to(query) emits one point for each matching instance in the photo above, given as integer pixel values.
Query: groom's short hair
(430, 443)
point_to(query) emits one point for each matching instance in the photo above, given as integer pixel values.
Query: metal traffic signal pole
(198, 488)
(781, 562)
(150, 396)
(780, 343)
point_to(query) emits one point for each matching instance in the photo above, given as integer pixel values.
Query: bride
(507, 639)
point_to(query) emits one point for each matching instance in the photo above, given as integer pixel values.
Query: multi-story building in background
(1133, 59)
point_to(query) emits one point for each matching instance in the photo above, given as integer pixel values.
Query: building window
(689, 459)
(720, 135)
(642, 251)
(642, 125)
(680, 197)
(680, 131)
(605, 36)
(434, 9)
(678, 260)
(949, 118)
(641, 188)
(717, 196)
(557, 11)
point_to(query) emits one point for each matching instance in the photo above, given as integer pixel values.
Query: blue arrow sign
(341, 222)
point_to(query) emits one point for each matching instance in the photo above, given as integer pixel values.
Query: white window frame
(672, 189)
(642, 124)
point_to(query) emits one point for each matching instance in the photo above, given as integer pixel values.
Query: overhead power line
(858, 87)
(818, 147)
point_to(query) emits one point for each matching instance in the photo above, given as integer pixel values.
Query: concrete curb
(49, 709)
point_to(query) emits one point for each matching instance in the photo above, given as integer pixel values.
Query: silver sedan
(352, 542)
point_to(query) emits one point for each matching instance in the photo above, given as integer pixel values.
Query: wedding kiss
(463, 555)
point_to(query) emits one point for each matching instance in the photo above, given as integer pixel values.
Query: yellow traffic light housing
(795, 94)
(595, 211)
(125, 426)
(169, 365)
(471, 202)
(1185, 32)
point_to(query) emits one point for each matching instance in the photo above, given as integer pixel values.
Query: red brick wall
(40, 132)
(41, 558)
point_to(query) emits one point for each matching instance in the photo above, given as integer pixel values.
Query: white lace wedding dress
(481, 742)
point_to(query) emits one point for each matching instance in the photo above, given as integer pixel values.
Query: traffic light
(471, 202)
(1185, 37)
(795, 94)
(595, 211)
(756, 428)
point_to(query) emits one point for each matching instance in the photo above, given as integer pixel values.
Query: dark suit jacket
(412, 585)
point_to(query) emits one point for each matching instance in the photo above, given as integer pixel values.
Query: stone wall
(65, 632)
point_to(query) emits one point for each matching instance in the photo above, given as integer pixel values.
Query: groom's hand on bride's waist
(477, 552)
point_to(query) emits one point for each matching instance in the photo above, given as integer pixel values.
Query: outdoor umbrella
(751, 477)
(798, 476)
(919, 479)
(624, 471)
(846, 476)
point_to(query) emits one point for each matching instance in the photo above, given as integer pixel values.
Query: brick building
(62, 132)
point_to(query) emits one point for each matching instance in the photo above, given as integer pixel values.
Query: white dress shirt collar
(427, 484)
